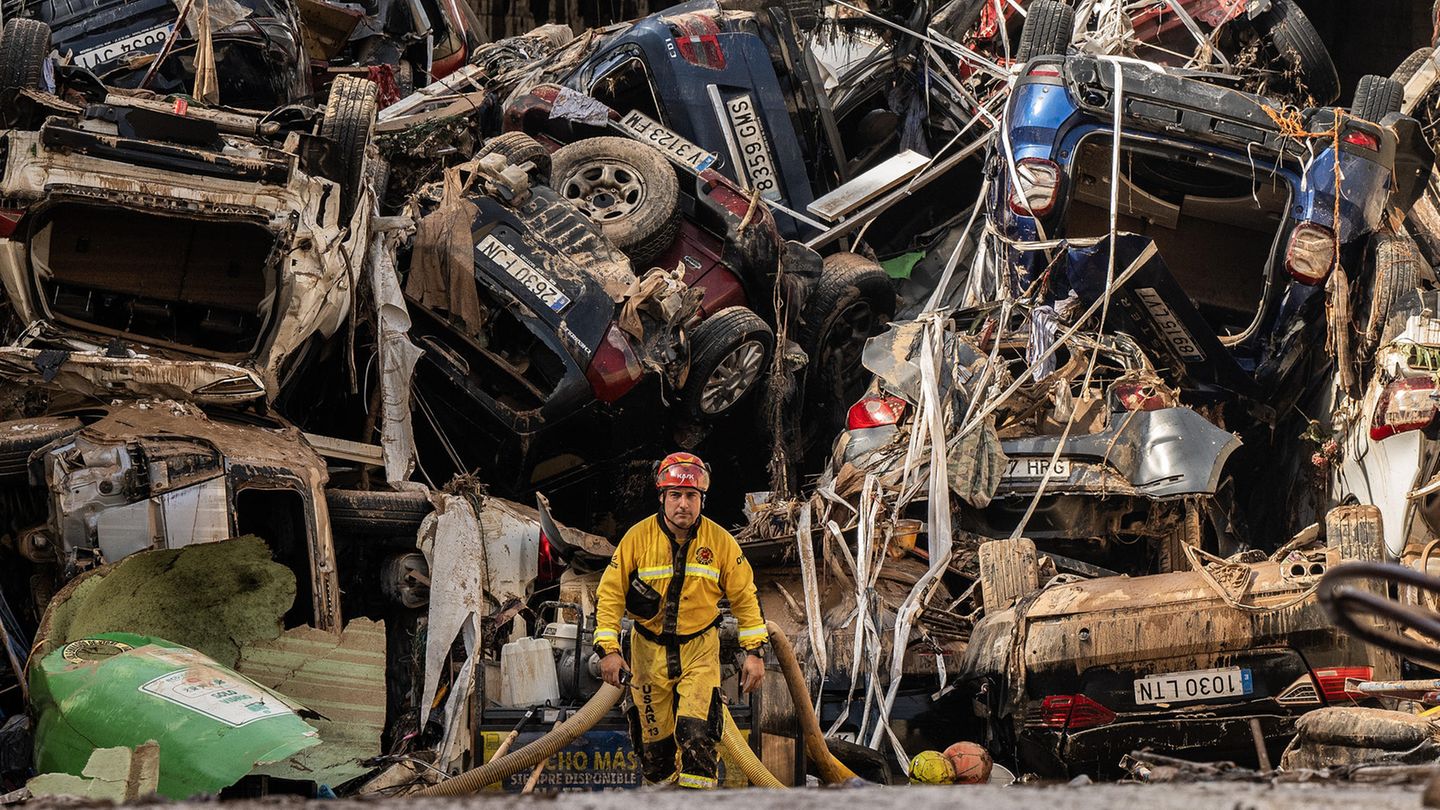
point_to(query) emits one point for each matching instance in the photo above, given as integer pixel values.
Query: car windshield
(1217, 225)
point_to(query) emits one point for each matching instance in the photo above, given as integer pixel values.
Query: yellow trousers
(678, 715)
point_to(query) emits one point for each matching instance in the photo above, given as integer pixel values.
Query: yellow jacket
(712, 568)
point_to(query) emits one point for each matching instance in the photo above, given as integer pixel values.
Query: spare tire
(627, 188)
(1397, 272)
(23, 48)
(377, 513)
(729, 354)
(1377, 97)
(22, 437)
(349, 124)
(517, 147)
(1049, 26)
(1294, 42)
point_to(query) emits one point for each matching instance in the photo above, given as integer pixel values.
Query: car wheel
(729, 353)
(626, 188)
(405, 579)
(1406, 70)
(1294, 41)
(349, 123)
(377, 514)
(851, 303)
(22, 437)
(1397, 272)
(23, 48)
(517, 147)
(1377, 97)
(1355, 531)
(1048, 28)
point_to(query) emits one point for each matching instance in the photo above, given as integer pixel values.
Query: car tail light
(1363, 139)
(1408, 403)
(549, 567)
(615, 368)
(1039, 186)
(876, 411)
(1137, 396)
(1311, 254)
(696, 40)
(1073, 712)
(1052, 71)
(1332, 682)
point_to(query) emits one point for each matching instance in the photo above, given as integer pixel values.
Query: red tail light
(1332, 682)
(1311, 254)
(1135, 396)
(550, 566)
(1073, 712)
(696, 40)
(1045, 70)
(1409, 403)
(615, 368)
(875, 412)
(1362, 139)
(1038, 188)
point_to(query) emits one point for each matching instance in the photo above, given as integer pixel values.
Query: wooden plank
(346, 450)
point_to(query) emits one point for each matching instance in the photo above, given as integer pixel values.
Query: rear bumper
(1097, 751)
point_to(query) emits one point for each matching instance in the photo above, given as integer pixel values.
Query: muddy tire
(349, 123)
(851, 303)
(517, 147)
(1188, 532)
(1356, 532)
(20, 438)
(1295, 42)
(377, 514)
(625, 187)
(1397, 272)
(729, 355)
(1405, 71)
(24, 46)
(1048, 28)
(1377, 97)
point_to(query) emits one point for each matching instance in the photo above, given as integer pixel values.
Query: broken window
(199, 283)
(277, 516)
(627, 87)
(1217, 227)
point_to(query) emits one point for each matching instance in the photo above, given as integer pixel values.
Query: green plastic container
(213, 724)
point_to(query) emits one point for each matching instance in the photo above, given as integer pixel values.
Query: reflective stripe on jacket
(713, 568)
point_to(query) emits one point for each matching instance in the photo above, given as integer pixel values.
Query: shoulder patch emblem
(704, 555)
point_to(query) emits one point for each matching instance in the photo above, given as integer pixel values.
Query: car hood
(94, 373)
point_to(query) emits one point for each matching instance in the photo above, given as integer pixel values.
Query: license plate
(1035, 468)
(1198, 684)
(645, 129)
(755, 159)
(524, 272)
(111, 51)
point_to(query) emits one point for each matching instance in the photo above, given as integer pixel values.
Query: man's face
(682, 506)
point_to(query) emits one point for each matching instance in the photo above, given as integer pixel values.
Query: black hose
(1346, 603)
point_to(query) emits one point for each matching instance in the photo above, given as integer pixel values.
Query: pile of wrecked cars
(1052, 382)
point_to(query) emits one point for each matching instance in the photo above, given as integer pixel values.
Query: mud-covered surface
(1056, 797)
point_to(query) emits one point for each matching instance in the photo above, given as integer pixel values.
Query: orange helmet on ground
(682, 470)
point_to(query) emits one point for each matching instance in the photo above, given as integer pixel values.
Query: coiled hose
(731, 741)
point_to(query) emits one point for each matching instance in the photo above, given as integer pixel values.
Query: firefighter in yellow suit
(668, 574)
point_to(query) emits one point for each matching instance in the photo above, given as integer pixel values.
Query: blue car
(1238, 195)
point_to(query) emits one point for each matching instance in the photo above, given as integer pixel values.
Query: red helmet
(682, 470)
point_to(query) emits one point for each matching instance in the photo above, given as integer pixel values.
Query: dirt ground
(1052, 797)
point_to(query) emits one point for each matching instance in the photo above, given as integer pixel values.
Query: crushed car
(231, 243)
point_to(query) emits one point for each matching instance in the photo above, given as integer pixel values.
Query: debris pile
(1048, 358)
